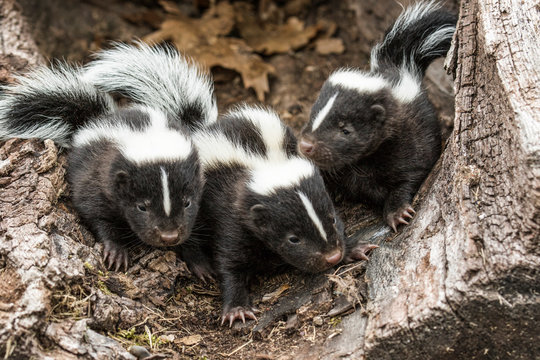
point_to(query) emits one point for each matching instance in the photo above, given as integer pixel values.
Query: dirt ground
(299, 312)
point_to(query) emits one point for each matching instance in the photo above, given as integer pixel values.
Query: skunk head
(349, 120)
(287, 207)
(155, 179)
(159, 200)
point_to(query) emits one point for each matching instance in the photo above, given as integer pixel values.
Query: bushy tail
(158, 77)
(50, 103)
(422, 33)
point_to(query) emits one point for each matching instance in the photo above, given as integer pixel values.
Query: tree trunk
(462, 281)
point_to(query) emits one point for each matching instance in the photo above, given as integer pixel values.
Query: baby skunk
(375, 134)
(133, 172)
(262, 207)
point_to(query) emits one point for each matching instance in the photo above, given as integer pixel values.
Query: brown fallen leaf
(274, 295)
(232, 53)
(203, 39)
(329, 46)
(269, 38)
(189, 340)
(187, 33)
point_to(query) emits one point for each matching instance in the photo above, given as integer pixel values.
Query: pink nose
(334, 257)
(169, 237)
(306, 147)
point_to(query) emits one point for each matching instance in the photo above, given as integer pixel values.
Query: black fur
(372, 146)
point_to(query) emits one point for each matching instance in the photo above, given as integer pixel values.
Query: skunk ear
(121, 182)
(258, 214)
(378, 111)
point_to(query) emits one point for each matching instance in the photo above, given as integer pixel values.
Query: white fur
(433, 41)
(154, 76)
(216, 149)
(267, 122)
(373, 58)
(267, 175)
(408, 17)
(312, 214)
(408, 87)
(323, 112)
(268, 172)
(411, 15)
(166, 193)
(155, 143)
(62, 81)
(358, 80)
(270, 176)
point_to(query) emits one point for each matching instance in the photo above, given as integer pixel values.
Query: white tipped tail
(157, 77)
(421, 33)
(50, 103)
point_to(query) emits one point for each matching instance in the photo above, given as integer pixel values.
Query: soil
(184, 320)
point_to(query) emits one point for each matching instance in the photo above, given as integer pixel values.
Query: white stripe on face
(312, 214)
(166, 194)
(324, 112)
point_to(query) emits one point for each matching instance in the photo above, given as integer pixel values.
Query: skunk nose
(169, 237)
(334, 257)
(306, 147)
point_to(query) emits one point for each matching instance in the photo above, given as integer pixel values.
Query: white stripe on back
(312, 214)
(324, 112)
(268, 176)
(408, 87)
(156, 142)
(358, 80)
(166, 193)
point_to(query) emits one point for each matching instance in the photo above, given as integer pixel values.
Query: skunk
(263, 207)
(374, 134)
(134, 172)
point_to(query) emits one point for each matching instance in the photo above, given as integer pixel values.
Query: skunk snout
(168, 238)
(334, 257)
(306, 146)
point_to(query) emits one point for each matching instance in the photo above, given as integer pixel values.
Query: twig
(239, 348)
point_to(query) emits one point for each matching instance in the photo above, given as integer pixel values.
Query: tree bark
(462, 281)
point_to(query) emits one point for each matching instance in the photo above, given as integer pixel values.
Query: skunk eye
(345, 131)
(141, 207)
(294, 239)
(187, 204)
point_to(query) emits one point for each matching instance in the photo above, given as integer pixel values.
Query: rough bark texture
(462, 281)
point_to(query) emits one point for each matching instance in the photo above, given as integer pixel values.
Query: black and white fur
(158, 77)
(374, 133)
(134, 172)
(263, 207)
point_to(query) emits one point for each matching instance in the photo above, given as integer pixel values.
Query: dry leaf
(189, 340)
(271, 38)
(234, 54)
(329, 46)
(274, 295)
(203, 39)
(187, 33)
